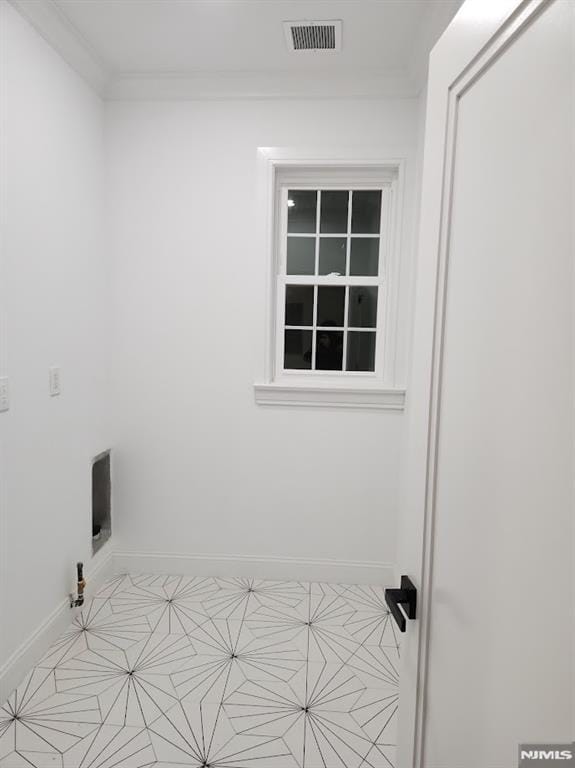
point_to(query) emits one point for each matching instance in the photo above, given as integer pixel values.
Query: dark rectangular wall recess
(101, 501)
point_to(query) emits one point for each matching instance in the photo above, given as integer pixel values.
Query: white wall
(199, 467)
(55, 306)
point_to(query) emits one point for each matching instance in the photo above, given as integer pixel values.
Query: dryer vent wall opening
(101, 501)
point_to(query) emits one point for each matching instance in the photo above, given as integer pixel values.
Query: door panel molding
(455, 81)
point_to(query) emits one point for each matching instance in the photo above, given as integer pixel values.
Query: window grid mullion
(328, 280)
(348, 239)
(314, 330)
(345, 328)
(365, 329)
(327, 235)
(342, 281)
(315, 288)
(317, 215)
(347, 271)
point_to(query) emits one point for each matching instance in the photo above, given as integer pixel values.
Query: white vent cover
(318, 36)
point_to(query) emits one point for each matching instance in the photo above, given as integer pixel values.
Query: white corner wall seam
(38, 642)
(55, 26)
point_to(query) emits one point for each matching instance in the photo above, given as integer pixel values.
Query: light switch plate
(54, 381)
(4, 394)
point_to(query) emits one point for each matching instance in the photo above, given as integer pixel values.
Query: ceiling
(144, 48)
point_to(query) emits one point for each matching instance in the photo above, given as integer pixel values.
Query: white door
(490, 470)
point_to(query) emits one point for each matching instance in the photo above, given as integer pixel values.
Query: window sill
(330, 396)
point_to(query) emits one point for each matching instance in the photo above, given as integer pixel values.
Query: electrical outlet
(4, 394)
(54, 381)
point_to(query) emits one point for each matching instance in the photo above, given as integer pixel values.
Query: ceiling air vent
(318, 36)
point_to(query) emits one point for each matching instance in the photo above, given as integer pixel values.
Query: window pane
(300, 256)
(364, 256)
(330, 306)
(362, 307)
(302, 206)
(360, 351)
(299, 305)
(366, 212)
(332, 255)
(329, 350)
(297, 349)
(334, 212)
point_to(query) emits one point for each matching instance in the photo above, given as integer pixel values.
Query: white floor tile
(172, 671)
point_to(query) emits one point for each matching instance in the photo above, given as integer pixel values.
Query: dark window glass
(299, 305)
(364, 256)
(330, 306)
(362, 307)
(333, 217)
(329, 350)
(360, 351)
(332, 255)
(297, 349)
(366, 212)
(300, 256)
(302, 206)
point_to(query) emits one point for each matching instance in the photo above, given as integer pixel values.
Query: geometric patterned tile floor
(180, 672)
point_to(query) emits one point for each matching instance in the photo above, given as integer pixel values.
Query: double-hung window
(334, 235)
(330, 285)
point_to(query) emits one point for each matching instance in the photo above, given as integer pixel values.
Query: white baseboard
(33, 648)
(259, 567)
(107, 562)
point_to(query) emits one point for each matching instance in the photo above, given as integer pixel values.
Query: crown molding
(50, 21)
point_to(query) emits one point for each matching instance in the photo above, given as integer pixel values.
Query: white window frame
(322, 169)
